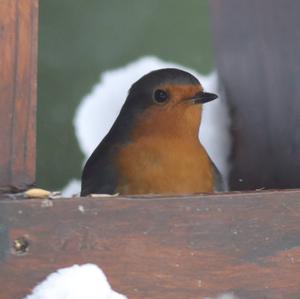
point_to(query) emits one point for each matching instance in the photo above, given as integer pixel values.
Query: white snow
(99, 109)
(226, 296)
(86, 281)
(77, 282)
(72, 188)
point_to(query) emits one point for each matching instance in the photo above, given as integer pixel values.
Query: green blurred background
(79, 39)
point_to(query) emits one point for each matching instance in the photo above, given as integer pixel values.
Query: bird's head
(166, 102)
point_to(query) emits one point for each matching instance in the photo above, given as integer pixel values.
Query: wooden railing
(171, 247)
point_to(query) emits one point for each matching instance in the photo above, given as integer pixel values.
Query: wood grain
(18, 68)
(179, 248)
(258, 59)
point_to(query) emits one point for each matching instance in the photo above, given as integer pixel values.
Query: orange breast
(165, 155)
(172, 166)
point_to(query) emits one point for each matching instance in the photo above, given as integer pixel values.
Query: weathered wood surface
(18, 68)
(177, 248)
(258, 58)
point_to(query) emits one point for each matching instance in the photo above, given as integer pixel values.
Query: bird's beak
(203, 97)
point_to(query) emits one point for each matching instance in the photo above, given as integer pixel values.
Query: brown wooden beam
(177, 248)
(18, 69)
(258, 58)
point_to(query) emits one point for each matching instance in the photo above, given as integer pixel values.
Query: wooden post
(258, 58)
(18, 69)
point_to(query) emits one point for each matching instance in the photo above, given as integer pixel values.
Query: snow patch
(86, 281)
(226, 296)
(77, 282)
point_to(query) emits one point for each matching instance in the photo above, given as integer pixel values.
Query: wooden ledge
(158, 247)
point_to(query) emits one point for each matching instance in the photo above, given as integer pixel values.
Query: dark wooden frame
(258, 58)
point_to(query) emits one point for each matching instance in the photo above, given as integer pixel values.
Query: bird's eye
(160, 96)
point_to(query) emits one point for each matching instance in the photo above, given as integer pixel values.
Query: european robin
(153, 147)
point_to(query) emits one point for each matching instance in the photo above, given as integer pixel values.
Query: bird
(153, 146)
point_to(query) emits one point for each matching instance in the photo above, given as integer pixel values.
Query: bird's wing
(99, 174)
